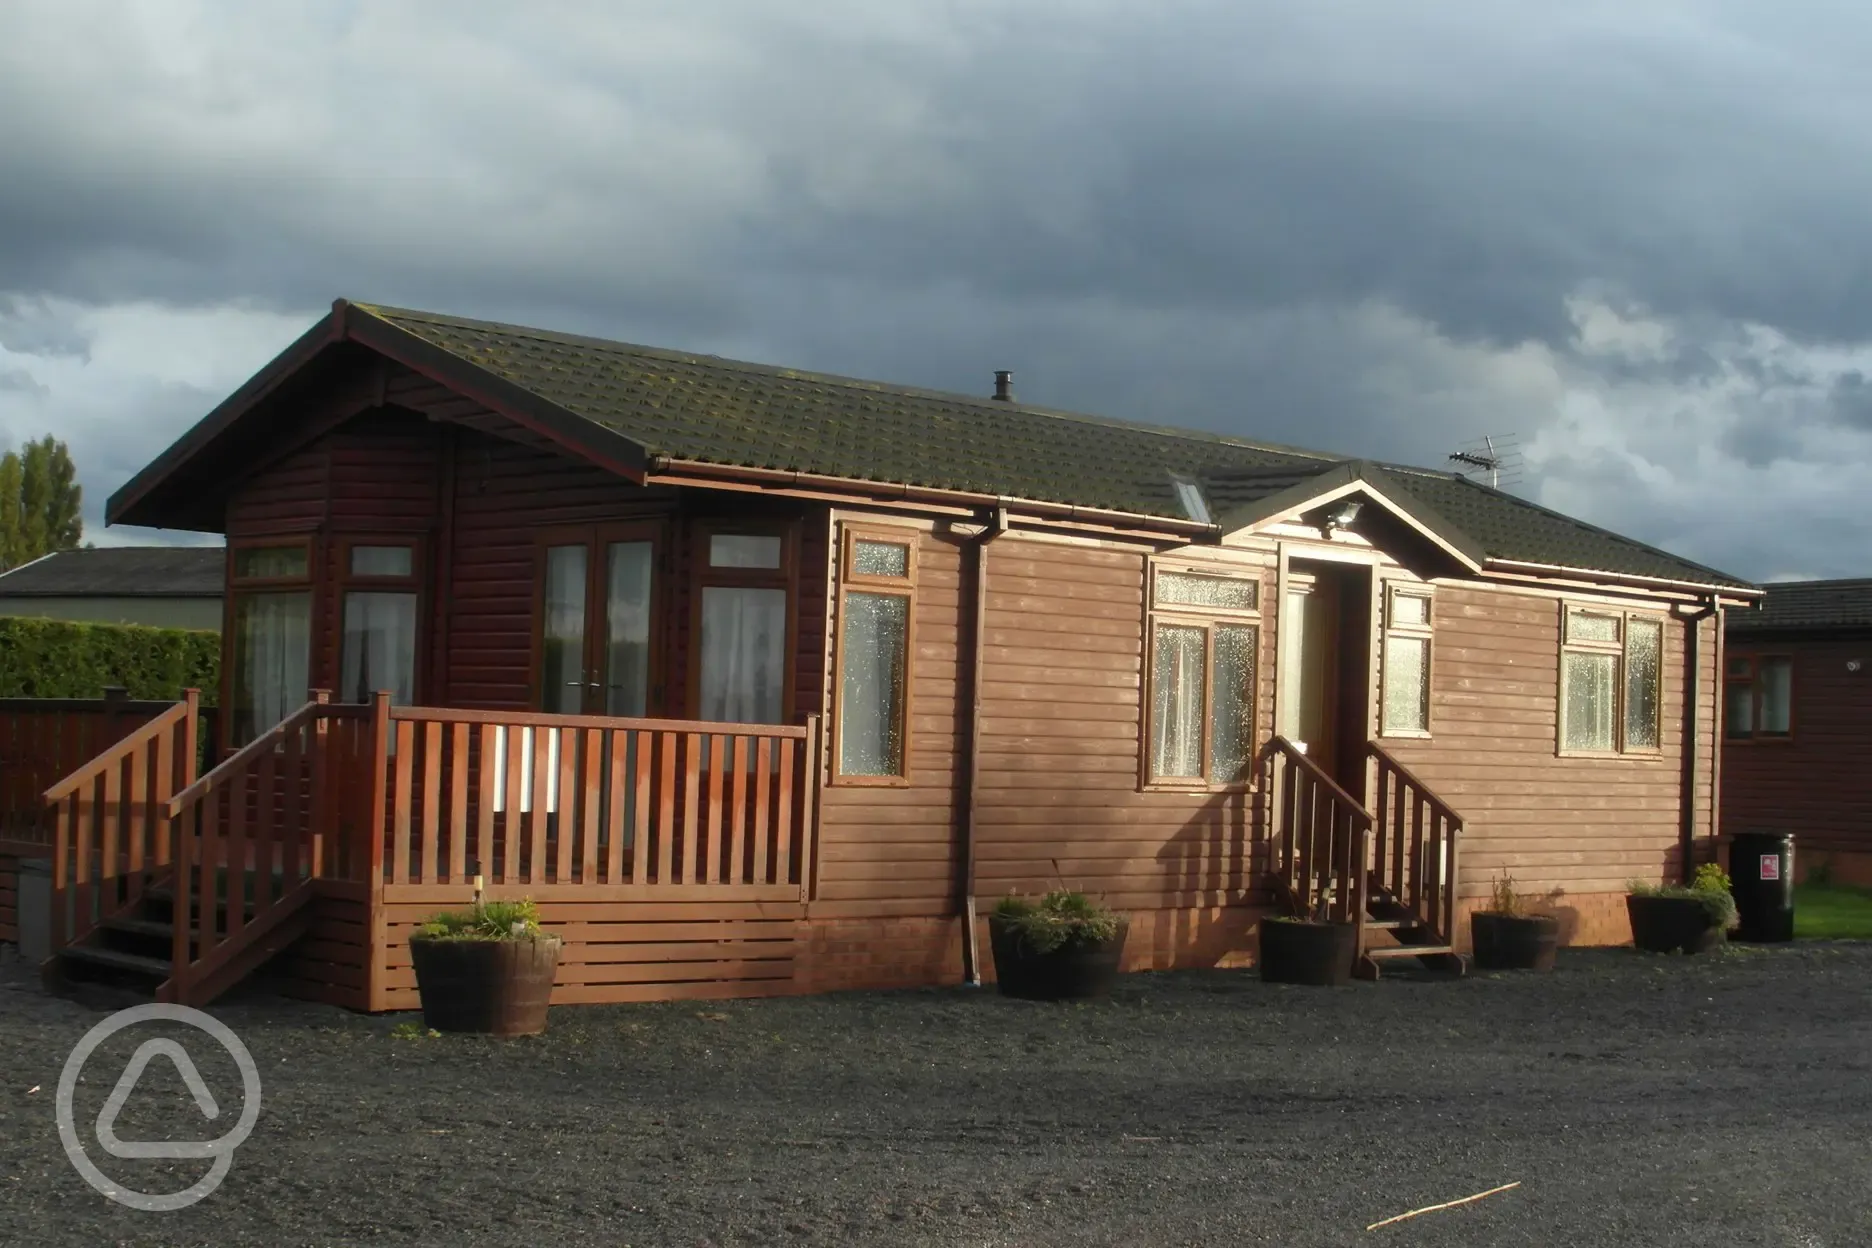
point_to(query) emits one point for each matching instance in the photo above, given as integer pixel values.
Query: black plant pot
(1514, 942)
(1672, 924)
(1075, 971)
(496, 987)
(1319, 954)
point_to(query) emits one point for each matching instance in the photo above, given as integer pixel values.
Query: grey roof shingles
(120, 572)
(1808, 606)
(709, 409)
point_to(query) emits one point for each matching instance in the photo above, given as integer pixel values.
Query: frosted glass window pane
(1216, 592)
(1231, 714)
(627, 628)
(1588, 682)
(1739, 667)
(1177, 702)
(1644, 643)
(562, 632)
(1409, 609)
(743, 550)
(871, 686)
(269, 562)
(379, 647)
(743, 654)
(1406, 684)
(1776, 681)
(1739, 719)
(1592, 628)
(272, 650)
(383, 561)
(880, 559)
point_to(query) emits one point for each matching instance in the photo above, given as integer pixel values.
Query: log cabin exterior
(1797, 721)
(765, 681)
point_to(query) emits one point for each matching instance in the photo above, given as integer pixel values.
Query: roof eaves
(581, 435)
(328, 330)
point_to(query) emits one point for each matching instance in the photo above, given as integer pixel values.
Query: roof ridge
(838, 379)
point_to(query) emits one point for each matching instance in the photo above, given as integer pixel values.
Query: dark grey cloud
(1362, 227)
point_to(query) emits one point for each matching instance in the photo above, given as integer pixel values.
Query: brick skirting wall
(845, 954)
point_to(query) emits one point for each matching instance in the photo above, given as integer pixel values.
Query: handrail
(1282, 745)
(1417, 843)
(1384, 757)
(120, 751)
(542, 719)
(238, 761)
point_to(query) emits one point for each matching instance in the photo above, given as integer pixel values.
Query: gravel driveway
(1638, 1100)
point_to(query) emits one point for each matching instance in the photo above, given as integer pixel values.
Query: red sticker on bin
(1771, 866)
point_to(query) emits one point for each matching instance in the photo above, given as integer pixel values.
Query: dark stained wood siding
(1580, 825)
(1816, 784)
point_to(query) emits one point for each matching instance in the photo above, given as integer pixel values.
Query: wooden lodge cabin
(1797, 721)
(761, 681)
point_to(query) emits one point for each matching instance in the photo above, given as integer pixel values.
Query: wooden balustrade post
(373, 827)
(319, 805)
(809, 809)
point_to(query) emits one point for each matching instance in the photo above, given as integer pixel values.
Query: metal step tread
(1392, 925)
(140, 927)
(118, 960)
(1407, 951)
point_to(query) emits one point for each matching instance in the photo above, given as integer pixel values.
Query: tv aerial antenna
(1496, 455)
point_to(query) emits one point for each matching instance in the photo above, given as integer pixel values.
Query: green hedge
(60, 659)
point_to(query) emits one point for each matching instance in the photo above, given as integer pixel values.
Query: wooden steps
(118, 960)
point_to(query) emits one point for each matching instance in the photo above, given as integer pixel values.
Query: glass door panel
(626, 631)
(563, 631)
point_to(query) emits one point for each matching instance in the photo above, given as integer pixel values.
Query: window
(744, 612)
(1758, 697)
(1406, 662)
(380, 596)
(876, 602)
(1611, 666)
(271, 620)
(1204, 629)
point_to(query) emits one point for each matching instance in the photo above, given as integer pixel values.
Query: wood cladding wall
(1579, 825)
(1814, 784)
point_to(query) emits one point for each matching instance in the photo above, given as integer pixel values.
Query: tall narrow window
(1204, 631)
(1758, 697)
(744, 608)
(1406, 662)
(380, 609)
(272, 635)
(876, 602)
(1611, 673)
(562, 631)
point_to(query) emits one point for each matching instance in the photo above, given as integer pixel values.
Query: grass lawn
(1832, 912)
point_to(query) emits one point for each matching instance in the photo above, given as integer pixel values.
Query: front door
(597, 594)
(1324, 666)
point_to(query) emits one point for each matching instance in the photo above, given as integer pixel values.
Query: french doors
(597, 624)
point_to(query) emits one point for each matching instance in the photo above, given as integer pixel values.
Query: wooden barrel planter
(1673, 924)
(1077, 970)
(1514, 942)
(1296, 951)
(493, 987)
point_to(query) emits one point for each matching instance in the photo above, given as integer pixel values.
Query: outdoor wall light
(1345, 516)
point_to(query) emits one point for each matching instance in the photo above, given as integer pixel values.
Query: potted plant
(1509, 937)
(489, 969)
(1666, 918)
(1061, 946)
(1306, 947)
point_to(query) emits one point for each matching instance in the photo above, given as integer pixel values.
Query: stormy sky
(1633, 235)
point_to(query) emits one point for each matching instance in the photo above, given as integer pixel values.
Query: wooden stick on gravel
(1448, 1204)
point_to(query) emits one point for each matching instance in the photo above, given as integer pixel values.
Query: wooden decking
(675, 856)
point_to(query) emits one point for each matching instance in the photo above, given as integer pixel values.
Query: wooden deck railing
(1414, 848)
(636, 807)
(111, 820)
(252, 835)
(1319, 836)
